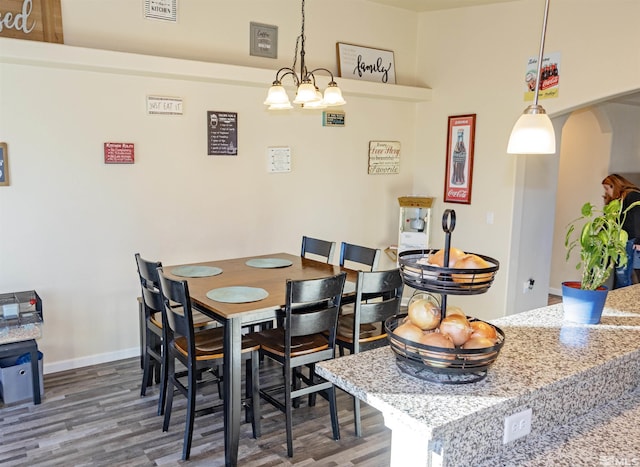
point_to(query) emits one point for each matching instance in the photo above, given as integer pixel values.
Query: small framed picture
(459, 170)
(4, 165)
(263, 40)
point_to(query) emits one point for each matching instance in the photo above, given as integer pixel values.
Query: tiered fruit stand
(437, 364)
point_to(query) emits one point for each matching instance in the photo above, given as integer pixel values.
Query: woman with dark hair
(617, 187)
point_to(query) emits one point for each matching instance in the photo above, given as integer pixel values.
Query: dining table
(246, 291)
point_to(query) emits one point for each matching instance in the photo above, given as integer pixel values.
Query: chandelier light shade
(308, 96)
(533, 132)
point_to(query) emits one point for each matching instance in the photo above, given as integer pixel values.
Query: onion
(455, 310)
(457, 327)
(482, 329)
(410, 332)
(437, 359)
(437, 259)
(471, 261)
(424, 314)
(478, 343)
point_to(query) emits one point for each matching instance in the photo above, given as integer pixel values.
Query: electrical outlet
(517, 425)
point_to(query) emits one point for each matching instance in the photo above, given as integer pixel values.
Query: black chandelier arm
(287, 71)
(311, 73)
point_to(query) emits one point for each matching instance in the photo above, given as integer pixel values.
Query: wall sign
(222, 133)
(549, 77)
(162, 10)
(459, 172)
(279, 159)
(384, 157)
(35, 20)
(264, 40)
(333, 118)
(365, 63)
(157, 105)
(119, 153)
(4, 165)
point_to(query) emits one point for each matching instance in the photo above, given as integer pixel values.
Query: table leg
(232, 391)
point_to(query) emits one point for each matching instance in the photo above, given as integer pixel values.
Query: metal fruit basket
(417, 273)
(440, 365)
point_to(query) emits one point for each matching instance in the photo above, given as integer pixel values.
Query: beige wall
(70, 224)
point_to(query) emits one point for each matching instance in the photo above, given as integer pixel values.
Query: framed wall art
(4, 165)
(263, 41)
(365, 63)
(384, 157)
(459, 168)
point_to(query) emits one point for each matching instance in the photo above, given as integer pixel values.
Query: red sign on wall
(118, 153)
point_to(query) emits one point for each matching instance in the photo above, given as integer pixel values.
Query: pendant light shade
(533, 132)
(333, 95)
(277, 96)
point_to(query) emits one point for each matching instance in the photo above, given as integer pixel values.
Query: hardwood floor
(95, 416)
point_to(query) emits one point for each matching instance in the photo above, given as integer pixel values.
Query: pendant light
(308, 96)
(533, 132)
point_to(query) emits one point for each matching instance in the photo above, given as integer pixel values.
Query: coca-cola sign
(459, 169)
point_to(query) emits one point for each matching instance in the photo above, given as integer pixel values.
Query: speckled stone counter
(561, 371)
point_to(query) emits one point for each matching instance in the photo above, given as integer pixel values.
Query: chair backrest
(150, 284)
(178, 311)
(312, 307)
(317, 247)
(362, 255)
(386, 287)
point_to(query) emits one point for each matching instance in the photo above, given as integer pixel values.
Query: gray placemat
(195, 271)
(268, 263)
(237, 294)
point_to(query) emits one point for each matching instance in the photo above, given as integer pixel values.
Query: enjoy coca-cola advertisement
(459, 170)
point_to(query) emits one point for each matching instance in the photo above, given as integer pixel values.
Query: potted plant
(602, 245)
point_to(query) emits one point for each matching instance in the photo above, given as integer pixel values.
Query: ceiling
(430, 5)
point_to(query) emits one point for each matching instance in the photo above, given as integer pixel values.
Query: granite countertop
(560, 370)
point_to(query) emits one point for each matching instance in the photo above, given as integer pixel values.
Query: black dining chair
(378, 297)
(311, 310)
(314, 248)
(153, 355)
(355, 256)
(197, 351)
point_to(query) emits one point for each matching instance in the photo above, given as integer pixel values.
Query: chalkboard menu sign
(222, 132)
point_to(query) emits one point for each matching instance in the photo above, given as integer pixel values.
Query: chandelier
(308, 96)
(533, 132)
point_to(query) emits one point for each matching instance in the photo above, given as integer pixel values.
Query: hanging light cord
(540, 56)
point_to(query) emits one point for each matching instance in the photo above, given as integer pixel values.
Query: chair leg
(356, 416)
(253, 391)
(192, 376)
(312, 378)
(162, 392)
(288, 411)
(333, 407)
(170, 388)
(146, 371)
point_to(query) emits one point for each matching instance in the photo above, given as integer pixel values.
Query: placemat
(268, 263)
(237, 294)
(195, 271)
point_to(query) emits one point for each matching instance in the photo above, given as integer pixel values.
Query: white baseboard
(90, 360)
(557, 292)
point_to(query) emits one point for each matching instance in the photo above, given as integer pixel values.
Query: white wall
(474, 60)
(71, 224)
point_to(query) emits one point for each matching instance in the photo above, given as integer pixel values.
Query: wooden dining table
(235, 316)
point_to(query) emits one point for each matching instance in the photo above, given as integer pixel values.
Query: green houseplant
(602, 242)
(602, 245)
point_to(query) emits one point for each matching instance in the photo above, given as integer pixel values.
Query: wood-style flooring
(94, 416)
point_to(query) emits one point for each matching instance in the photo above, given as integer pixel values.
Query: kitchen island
(565, 373)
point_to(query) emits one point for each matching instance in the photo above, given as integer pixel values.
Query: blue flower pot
(582, 306)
